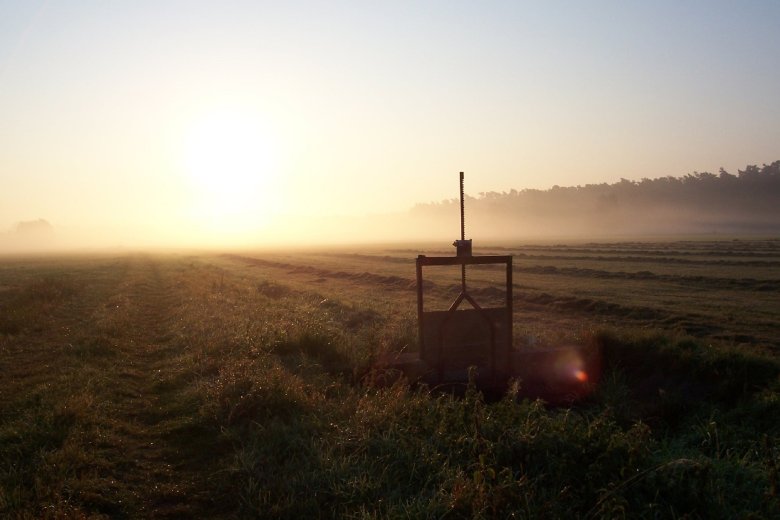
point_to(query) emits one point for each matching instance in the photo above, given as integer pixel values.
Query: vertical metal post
(509, 310)
(462, 211)
(462, 232)
(420, 326)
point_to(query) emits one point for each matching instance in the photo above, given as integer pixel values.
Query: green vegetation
(246, 385)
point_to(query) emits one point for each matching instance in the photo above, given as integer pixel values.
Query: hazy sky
(188, 120)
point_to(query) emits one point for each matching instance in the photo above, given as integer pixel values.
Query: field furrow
(588, 304)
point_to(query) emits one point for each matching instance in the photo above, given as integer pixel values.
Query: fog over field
(200, 125)
(699, 203)
(745, 203)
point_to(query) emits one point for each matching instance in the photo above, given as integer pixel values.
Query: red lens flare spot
(581, 376)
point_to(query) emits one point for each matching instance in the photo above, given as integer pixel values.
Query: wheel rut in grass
(155, 419)
(97, 413)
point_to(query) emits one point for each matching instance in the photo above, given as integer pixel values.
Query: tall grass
(669, 433)
(22, 307)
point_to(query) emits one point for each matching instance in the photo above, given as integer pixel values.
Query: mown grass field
(244, 384)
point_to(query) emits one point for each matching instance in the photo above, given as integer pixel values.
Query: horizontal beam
(463, 260)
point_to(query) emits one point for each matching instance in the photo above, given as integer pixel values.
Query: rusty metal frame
(425, 261)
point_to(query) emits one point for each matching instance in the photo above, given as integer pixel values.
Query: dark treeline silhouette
(748, 202)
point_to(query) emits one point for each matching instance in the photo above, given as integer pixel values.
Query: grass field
(244, 384)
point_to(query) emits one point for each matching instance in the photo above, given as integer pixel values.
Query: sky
(183, 122)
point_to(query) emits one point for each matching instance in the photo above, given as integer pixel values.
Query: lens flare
(569, 365)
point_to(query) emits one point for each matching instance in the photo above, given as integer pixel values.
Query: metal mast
(462, 231)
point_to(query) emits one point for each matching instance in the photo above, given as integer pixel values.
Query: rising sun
(229, 160)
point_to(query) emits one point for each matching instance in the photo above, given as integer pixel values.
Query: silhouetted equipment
(452, 340)
(470, 336)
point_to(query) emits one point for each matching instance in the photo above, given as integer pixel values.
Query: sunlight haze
(240, 123)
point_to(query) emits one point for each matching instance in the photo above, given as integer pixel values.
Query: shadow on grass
(662, 380)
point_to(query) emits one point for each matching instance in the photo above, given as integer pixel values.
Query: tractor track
(116, 334)
(146, 304)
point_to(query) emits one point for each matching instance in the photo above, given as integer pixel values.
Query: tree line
(701, 202)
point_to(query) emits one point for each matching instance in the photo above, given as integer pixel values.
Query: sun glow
(229, 160)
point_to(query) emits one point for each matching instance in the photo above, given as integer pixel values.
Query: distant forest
(748, 202)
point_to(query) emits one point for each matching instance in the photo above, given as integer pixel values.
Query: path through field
(127, 443)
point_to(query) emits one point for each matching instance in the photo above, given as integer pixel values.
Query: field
(245, 384)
